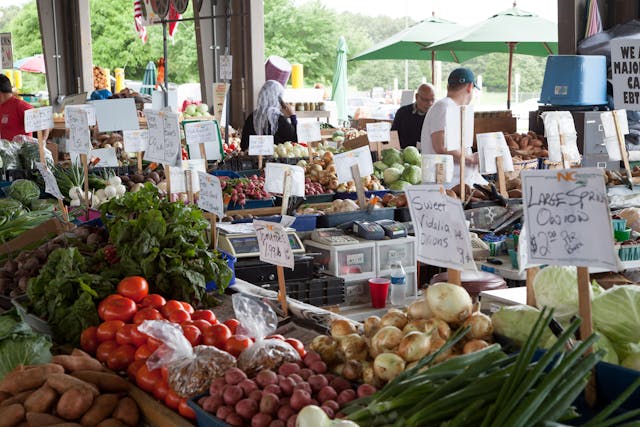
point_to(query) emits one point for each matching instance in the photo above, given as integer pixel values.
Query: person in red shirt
(11, 111)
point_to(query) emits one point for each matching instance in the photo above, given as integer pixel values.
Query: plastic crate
(356, 292)
(251, 204)
(354, 196)
(204, 418)
(346, 261)
(231, 262)
(402, 250)
(301, 223)
(336, 219)
(224, 172)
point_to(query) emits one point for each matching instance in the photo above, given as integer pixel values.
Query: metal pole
(227, 51)
(165, 32)
(55, 44)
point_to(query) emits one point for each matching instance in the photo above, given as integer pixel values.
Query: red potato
(327, 410)
(317, 382)
(284, 412)
(284, 401)
(217, 385)
(314, 402)
(296, 378)
(247, 386)
(280, 377)
(234, 376)
(319, 366)
(331, 404)
(329, 376)
(234, 420)
(212, 403)
(277, 423)
(246, 408)
(291, 422)
(299, 399)
(327, 393)
(269, 403)
(286, 385)
(340, 384)
(256, 395)
(223, 412)
(232, 394)
(303, 386)
(274, 389)
(365, 390)
(305, 373)
(288, 368)
(311, 357)
(266, 377)
(346, 396)
(261, 420)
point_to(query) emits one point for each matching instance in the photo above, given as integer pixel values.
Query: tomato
(236, 344)
(201, 324)
(107, 330)
(179, 316)
(153, 343)
(187, 322)
(160, 390)
(193, 334)
(275, 337)
(153, 300)
(147, 379)
(297, 344)
(89, 340)
(120, 358)
(132, 370)
(185, 410)
(164, 373)
(134, 287)
(119, 309)
(103, 303)
(232, 324)
(172, 400)
(217, 335)
(207, 315)
(137, 338)
(143, 352)
(123, 336)
(104, 350)
(187, 307)
(170, 306)
(147, 313)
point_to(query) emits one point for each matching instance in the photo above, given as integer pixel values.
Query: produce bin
(302, 222)
(354, 196)
(310, 199)
(340, 218)
(388, 251)
(402, 215)
(251, 204)
(231, 262)
(204, 418)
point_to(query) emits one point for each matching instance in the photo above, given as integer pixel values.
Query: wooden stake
(85, 171)
(43, 157)
(189, 180)
(440, 175)
(453, 276)
(565, 162)
(286, 192)
(531, 296)
(282, 290)
(462, 151)
(362, 200)
(139, 158)
(203, 154)
(64, 212)
(623, 147)
(260, 162)
(502, 185)
(586, 327)
(167, 175)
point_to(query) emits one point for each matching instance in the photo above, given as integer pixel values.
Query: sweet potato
(27, 378)
(105, 381)
(112, 422)
(37, 419)
(41, 400)
(11, 415)
(18, 398)
(127, 412)
(77, 363)
(74, 403)
(63, 382)
(66, 425)
(102, 408)
(515, 194)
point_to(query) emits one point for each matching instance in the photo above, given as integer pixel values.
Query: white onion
(341, 328)
(481, 326)
(438, 327)
(385, 340)
(419, 310)
(101, 194)
(353, 346)
(74, 202)
(110, 191)
(73, 193)
(387, 366)
(394, 318)
(115, 181)
(449, 302)
(120, 189)
(312, 416)
(414, 346)
(371, 326)
(415, 325)
(474, 345)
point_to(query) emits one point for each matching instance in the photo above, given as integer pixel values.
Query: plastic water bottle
(398, 284)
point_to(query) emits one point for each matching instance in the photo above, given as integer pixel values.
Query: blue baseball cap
(462, 76)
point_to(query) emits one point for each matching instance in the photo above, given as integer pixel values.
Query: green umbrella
(339, 84)
(149, 79)
(413, 42)
(511, 31)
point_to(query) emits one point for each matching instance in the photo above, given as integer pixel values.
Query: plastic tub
(301, 223)
(204, 418)
(252, 204)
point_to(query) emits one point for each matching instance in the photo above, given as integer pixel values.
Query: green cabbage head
(412, 174)
(412, 156)
(616, 313)
(391, 156)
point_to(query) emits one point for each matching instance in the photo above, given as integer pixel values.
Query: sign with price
(203, 132)
(210, 194)
(440, 228)
(37, 119)
(261, 145)
(309, 131)
(226, 67)
(274, 245)
(164, 138)
(135, 140)
(360, 156)
(50, 183)
(566, 214)
(88, 108)
(378, 132)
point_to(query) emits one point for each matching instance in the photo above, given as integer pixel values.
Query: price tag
(74, 110)
(440, 228)
(558, 123)
(274, 179)
(490, 146)
(204, 132)
(261, 145)
(308, 131)
(171, 134)
(116, 114)
(566, 213)
(226, 67)
(135, 140)
(50, 183)
(210, 199)
(107, 157)
(360, 156)
(178, 176)
(164, 138)
(452, 127)
(429, 164)
(378, 132)
(273, 242)
(79, 141)
(37, 119)
(611, 134)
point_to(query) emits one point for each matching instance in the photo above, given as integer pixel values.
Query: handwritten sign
(378, 132)
(452, 128)
(164, 138)
(557, 124)
(440, 228)
(73, 111)
(343, 162)
(610, 137)
(135, 140)
(566, 213)
(107, 157)
(179, 178)
(6, 51)
(37, 119)
(79, 141)
(490, 146)
(274, 179)
(308, 131)
(274, 245)
(625, 78)
(50, 183)
(261, 145)
(220, 91)
(429, 167)
(116, 114)
(204, 132)
(210, 199)
(226, 67)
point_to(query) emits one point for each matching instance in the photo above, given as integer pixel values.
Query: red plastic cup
(379, 288)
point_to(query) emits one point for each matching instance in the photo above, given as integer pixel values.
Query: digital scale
(243, 245)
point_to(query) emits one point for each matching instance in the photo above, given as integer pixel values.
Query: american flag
(141, 9)
(137, 18)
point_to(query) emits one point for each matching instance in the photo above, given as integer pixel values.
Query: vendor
(409, 119)
(460, 87)
(11, 111)
(272, 116)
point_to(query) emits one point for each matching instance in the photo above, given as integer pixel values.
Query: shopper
(11, 111)
(271, 117)
(460, 87)
(409, 119)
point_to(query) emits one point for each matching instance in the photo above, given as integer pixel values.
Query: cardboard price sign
(566, 213)
(50, 183)
(261, 145)
(178, 177)
(440, 228)
(625, 76)
(490, 146)
(360, 156)
(308, 132)
(37, 119)
(274, 179)
(274, 245)
(378, 132)
(204, 132)
(71, 111)
(211, 199)
(135, 140)
(164, 138)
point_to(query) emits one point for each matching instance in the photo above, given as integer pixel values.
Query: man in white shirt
(460, 86)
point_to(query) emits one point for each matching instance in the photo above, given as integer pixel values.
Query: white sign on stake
(226, 67)
(261, 145)
(343, 162)
(204, 132)
(135, 140)
(490, 146)
(107, 157)
(178, 176)
(172, 145)
(274, 179)
(308, 131)
(37, 119)
(611, 134)
(116, 114)
(164, 138)
(452, 127)
(72, 110)
(211, 199)
(441, 228)
(6, 51)
(50, 183)
(79, 141)
(566, 213)
(378, 132)
(429, 162)
(625, 53)
(273, 242)
(558, 123)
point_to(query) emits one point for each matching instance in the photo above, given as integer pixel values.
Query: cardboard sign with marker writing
(107, 157)
(204, 132)
(211, 199)
(343, 162)
(378, 132)
(429, 167)
(164, 138)
(566, 213)
(135, 140)
(116, 114)
(89, 109)
(226, 67)
(440, 228)
(50, 182)
(79, 141)
(490, 146)
(37, 119)
(452, 127)
(178, 177)
(274, 179)
(273, 242)
(611, 134)
(261, 145)
(308, 131)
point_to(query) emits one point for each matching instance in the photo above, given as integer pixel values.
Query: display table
(491, 301)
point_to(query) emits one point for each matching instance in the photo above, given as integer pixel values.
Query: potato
(234, 376)
(41, 400)
(4, 396)
(74, 403)
(515, 194)
(26, 378)
(105, 381)
(102, 408)
(261, 420)
(246, 408)
(63, 382)
(77, 363)
(111, 422)
(11, 415)
(127, 412)
(36, 419)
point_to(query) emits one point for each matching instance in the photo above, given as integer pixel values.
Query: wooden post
(362, 200)
(43, 157)
(453, 276)
(260, 162)
(85, 171)
(64, 212)
(565, 162)
(139, 158)
(189, 180)
(462, 151)
(502, 185)
(203, 154)
(531, 296)
(167, 175)
(440, 174)
(282, 290)
(586, 327)
(212, 218)
(623, 147)
(286, 192)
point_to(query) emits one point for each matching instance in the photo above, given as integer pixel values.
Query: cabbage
(603, 343)
(19, 345)
(398, 166)
(516, 323)
(557, 287)
(412, 156)
(391, 156)
(632, 361)
(391, 175)
(380, 165)
(24, 191)
(398, 185)
(616, 313)
(412, 174)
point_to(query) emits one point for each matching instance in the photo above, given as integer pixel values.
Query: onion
(395, 318)
(481, 326)
(371, 326)
(387, 366)
(419, 310)
(449, 302)
(73, 193)
(474, 345)
(415, 325)
(352, 370)
(436, 343)
(110, 191)
(341, 328)
(312, 416)
(342, 423)
(438, 327)
(385, 340)
(414, 346)
(354, 347)
(115, 181)
(326, 347)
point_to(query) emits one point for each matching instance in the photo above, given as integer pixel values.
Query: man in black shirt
(408, 119)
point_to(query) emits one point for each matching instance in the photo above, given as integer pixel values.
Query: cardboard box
(51, 227)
